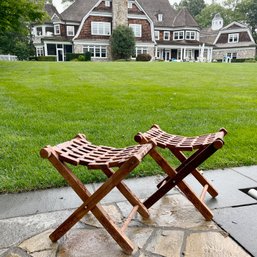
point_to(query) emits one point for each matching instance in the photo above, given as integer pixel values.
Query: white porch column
(181, 54)
(43, 30)
(45, 49)
(184, 56)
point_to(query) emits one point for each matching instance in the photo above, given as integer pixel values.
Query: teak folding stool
(81, 151)
(205, 146)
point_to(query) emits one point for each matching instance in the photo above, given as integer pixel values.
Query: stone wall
(218, 54)
(119, 12)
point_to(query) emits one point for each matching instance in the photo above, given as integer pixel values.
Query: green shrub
(122, 43)
(143, 58)
(87, 56)
(46, 58)
(72, 56)
(81, 58)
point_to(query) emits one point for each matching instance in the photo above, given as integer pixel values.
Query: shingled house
(85, 26)
(233, 41)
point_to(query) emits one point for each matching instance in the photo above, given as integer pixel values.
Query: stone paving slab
(250, 172)
(14, 205)
(174, 229)
(227, 182)
(241, 224)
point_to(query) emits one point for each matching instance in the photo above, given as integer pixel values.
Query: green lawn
(47, 103)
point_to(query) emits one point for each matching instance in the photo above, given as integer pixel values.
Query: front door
(60, 55)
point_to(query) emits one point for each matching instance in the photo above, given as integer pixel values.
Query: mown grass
(47, 103)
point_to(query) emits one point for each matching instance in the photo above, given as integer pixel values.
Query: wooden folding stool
(205, 146)
(80, 151)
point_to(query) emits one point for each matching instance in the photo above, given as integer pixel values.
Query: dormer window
(107, 3)
(160, 17)
(166, 35)
(233, 38)
(57, 29)
(130, 5)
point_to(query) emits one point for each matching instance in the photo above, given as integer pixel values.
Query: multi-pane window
(157, 35)
(178, 35)
(137, 29)
(166, 35)
(40, 51)
(190, 35)
(96, 51)
(232, 55)
(101, 28)
(57, 29)
(70, 31)
(233, 38)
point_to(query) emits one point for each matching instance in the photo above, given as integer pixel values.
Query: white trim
(233, 49)
(233, 38)
(83, 42)
(57, 42)
(84, 18)
(158, 35)
(72, 23)
(130, 5)
(100, 14)
(137, 16)
(107, 3)
(234, 23)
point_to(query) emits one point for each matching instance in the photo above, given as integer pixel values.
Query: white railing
(8, 57)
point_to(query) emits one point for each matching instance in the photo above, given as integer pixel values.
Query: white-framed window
(232, 55)
(40, 51)
(137, 29)
(139, 50)
(57, 29)
(190, 35)
(157, 35)
(70, 30)
(107, 3)
(96, 51)
(233, 38)
(160, 17)
(166, 35)
(130, 5)
(100, 28)
(178, 35)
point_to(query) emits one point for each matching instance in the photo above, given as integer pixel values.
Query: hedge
(73, 56)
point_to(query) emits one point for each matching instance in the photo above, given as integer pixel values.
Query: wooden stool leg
(90, 202)
(202, 180)
(200, 205)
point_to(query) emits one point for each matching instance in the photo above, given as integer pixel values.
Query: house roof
(51, 10)
(208, 35)
(184, 19)
(77, 10)
(153, 8)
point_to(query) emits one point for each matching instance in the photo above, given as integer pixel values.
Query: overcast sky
(60, 7)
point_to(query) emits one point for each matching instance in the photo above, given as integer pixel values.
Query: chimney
(119, 13)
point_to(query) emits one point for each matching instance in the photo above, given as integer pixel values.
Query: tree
(194, 6)
(247, 9)
(204, 19)
(14, 24)
(122, 43)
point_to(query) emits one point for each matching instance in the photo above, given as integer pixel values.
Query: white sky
(60, 7)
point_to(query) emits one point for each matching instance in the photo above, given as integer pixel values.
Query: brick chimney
(119, 13)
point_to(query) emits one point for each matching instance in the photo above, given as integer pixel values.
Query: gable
(234, 26)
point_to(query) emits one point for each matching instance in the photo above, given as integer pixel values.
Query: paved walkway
(175, 228)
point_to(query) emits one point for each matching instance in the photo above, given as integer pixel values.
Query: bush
(72, 56)
(143, 58)
(81, 58)
(46, 58)
(122, 43)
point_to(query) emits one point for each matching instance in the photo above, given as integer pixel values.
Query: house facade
(233, 41)
(85, 26)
